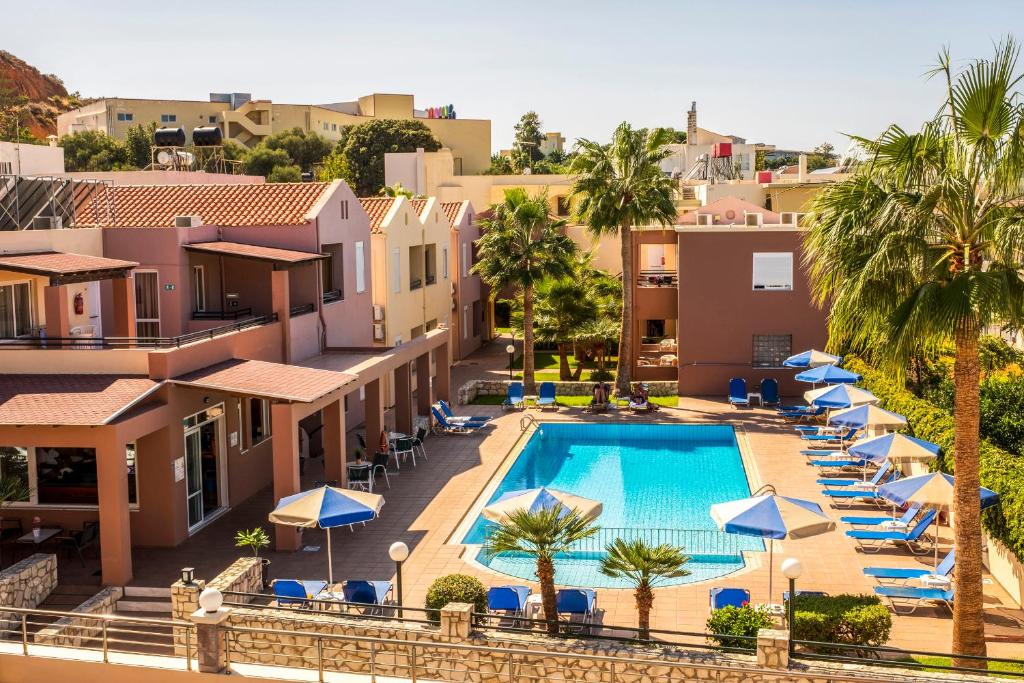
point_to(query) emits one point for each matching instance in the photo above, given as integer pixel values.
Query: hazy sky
(793, 74)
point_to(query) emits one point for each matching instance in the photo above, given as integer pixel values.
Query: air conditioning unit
(188, 222)
(48, 223)
(705, 219)
(378, 313)
(753, 220)
(378, 332)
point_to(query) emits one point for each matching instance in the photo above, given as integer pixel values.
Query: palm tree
(924, 245)
(619, 186)
(645, 567)
(520, 246)
(542, 533)
(396, 190)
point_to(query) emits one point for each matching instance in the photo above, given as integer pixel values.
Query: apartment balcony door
(205, 470)
(147, 303)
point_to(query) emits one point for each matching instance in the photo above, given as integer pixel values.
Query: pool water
(655, 481)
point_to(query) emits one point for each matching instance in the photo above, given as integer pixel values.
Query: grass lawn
(546, 364)
(575, 401)
(946, 661)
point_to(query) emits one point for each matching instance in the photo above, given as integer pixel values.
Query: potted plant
(254, 539)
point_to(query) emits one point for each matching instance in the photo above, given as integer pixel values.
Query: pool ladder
(526, 420)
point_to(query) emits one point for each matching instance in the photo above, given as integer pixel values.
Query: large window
(259, 420)
(773, 270)
(14, 467)
(60, 475)
(770, 350)
(15, 310)
(430, 263)
(147, 303)
(334, 272)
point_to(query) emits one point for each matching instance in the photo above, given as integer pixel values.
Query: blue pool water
(656, 482)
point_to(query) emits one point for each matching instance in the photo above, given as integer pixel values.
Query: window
(465, 322)
(563, 208)
(212, 119)
(770, 350)
(259, 420)
(396, 269)
(125, 116)
(444, 262)
(147, 303)
(198, 289)
(325, 125)
(6, 168)
(61, 475)
(773, 270)
(464, 260)
(133, 480)
(430, 263)
(360, 266)
(334, 272)
(334, 127)
(15, 310)
(478, 317)
(14, 467)
(168, 118)
(344, 209)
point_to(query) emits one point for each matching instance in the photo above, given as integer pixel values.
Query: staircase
(63, 598)
(139, 601)
(145, 603)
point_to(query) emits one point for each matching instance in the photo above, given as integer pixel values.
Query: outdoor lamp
(511, 351)
(188, 575)
(399, 552)
(791, 569)
(210, 600)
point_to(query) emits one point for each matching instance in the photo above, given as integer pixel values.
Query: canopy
(540, 499)
(895, 447)
(840, 396)
(868, 415)
(830, 374)
(811, 359)
(934, 490)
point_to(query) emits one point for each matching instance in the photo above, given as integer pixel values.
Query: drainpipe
(320, 289)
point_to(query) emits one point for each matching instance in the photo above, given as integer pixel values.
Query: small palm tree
(396, 190)
(521, 245)
(644, 566)
(619, 186)
(543, 534)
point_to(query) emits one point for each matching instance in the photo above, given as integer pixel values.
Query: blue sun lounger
(509, 599)
(945, 568)
(830, 437)
(738, 392)
(728, 597)
(372, 593)
(846, 496)
(839, 463)
(454, 427)
(872, 541)
(874, 481)
(576, 601)
(802, 414)
(905, 519)
(297, 592)
(452, 417)
(769, 391)
(906, 599)
(514, 396)
(546, 396)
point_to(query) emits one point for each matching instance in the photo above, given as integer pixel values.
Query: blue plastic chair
(295, 592)
(729, 597)
(576, 601)
(906, 599)
(945, 568)
(546, 396)
(873, 541)
(738, 392)
(514, 397)
(508, 599)
(769, 391)
(906, 518)
(367, 592)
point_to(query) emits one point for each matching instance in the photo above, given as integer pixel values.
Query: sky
(792, 74)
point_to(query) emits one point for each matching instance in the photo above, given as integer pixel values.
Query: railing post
(373, 662)
(24, 634)
(511, 676)
(106, 657)
(320, 658)
(188, 648)
(412, 674)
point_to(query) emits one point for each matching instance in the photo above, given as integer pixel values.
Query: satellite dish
(164, 157)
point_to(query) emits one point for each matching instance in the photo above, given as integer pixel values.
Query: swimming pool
(655, 481)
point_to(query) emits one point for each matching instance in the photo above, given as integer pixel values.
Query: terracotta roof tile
(147, 206)
(253, 251)
(59, 263)
(69, 399)
(376, 208)
(268, 380)
(451, 210)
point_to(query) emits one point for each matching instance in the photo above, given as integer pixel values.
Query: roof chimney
(691, 124)
(801, 168)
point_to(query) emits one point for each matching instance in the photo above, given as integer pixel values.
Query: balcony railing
(302, 309)
(415, 284)
(88, 343)
(333, 295)
(222, 315)
(431, 279)
(657, 278)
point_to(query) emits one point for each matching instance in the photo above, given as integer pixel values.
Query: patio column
(124, 307)
(58, 317)
(115, 524)
(423, 390)
(374, 406)
(403, 399)
(280, 301)
(333, 417)
(443, 380)
(285, 430)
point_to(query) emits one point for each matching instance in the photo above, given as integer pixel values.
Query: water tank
(207, 136)
(169, 137)
(721, 149)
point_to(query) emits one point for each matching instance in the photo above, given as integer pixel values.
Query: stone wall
(76, 632)
(244, 575)
(491, 387)
(26, 584)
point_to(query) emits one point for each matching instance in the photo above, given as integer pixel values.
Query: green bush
(846, 619)
(737, 621)
(455, 588)
(1001, 471)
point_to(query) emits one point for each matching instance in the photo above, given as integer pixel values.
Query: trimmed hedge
(844, 619)
(455, 588)
(1001, 471)
(738, 621)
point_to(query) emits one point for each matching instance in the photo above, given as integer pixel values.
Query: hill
(44, 95)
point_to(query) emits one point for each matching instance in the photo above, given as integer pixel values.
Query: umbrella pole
(330, 559)
(771, 567)
(936, 545)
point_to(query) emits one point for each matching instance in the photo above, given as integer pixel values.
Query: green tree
(12, 104)
(335, 167)
(285, 174)
(644, 566)
(306, 150)
(138, 142)
(526, 142)
(396, 190)
(92, 150)
(500, 165)
(617, 186)
(521, 245)
(923, 246)
(261, 160)
(367, 143)
(542, 534)
(678, 136)
(823, 156)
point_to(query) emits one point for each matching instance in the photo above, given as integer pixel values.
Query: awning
(64, 268)
(266, 380)
(285, 257)
(69, 399)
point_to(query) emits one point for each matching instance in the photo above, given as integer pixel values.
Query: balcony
(415, 283)
(657, 278)
(222, 315)
(302, 309)
(333, 295)
(431, 279)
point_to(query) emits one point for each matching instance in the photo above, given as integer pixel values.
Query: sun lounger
(373, 593)
(769, 391)
(879, 520)
(847, 436)
(442, 423)
(839, 463)
(865, 491)
(729, 597)
(576, 602)
(452, 417)
(945, 568)
(802, 414)
(883, 471)
(738, 392)
(906, 599)
(509, 599)
(296, 592)
(546, 396)
(514, 397)
(871, 541)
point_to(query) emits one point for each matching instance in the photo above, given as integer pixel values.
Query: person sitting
(638, 398)
(599, 400)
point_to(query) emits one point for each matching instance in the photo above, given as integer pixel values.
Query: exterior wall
(607, 249)
(747, 191)
(26, 584)
(793, 197)
(72, 631)
(28, 159)
(468, 288)
(719, 311)
(102, 115)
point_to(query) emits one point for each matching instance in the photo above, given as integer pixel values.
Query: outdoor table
(395, 436)
(45, 535)
(935, 581)
(528, 398)
(534, 606)
(754, 394)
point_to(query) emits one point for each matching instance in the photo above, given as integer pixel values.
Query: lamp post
(511, 351)
(791, 569)
(399, 552)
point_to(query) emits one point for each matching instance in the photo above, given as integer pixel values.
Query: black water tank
(207, 136)
(169, 137)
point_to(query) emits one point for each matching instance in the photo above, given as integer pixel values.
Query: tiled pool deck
(425, 505)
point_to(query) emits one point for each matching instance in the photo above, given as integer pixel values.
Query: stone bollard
(211, 649)
(773, 648)
(456, 620)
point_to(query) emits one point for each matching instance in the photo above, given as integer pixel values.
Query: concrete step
(149, 608)
(147, 592)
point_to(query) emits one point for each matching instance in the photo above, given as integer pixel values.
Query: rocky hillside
(46, 94)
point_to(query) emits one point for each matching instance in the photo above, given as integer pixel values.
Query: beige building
(247, 121)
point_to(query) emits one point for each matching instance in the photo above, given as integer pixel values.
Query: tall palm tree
(644, 566)
(521, 245)
(542, 533)
(925, 245)
(618, 186)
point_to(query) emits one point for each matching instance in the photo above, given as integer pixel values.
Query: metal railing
(843, 653)
(134, 342)
(313, 606)
(709, 543)
(222, 315)
(302, 309)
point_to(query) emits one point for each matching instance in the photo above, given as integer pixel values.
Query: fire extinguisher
(79, 304)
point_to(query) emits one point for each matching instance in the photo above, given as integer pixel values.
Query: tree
(261, 160)
(367, 143)
(543, 534)
(823, 156)
(396, 190)
(138, 142)
(617, 186)
(923, 246)
(520, 246)
(285, 174)
(526, 142)
(678, 136)
(500, 165)
(304, 149)
(92, 150)
(645, 567)
(12, 103)
(335, 167)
